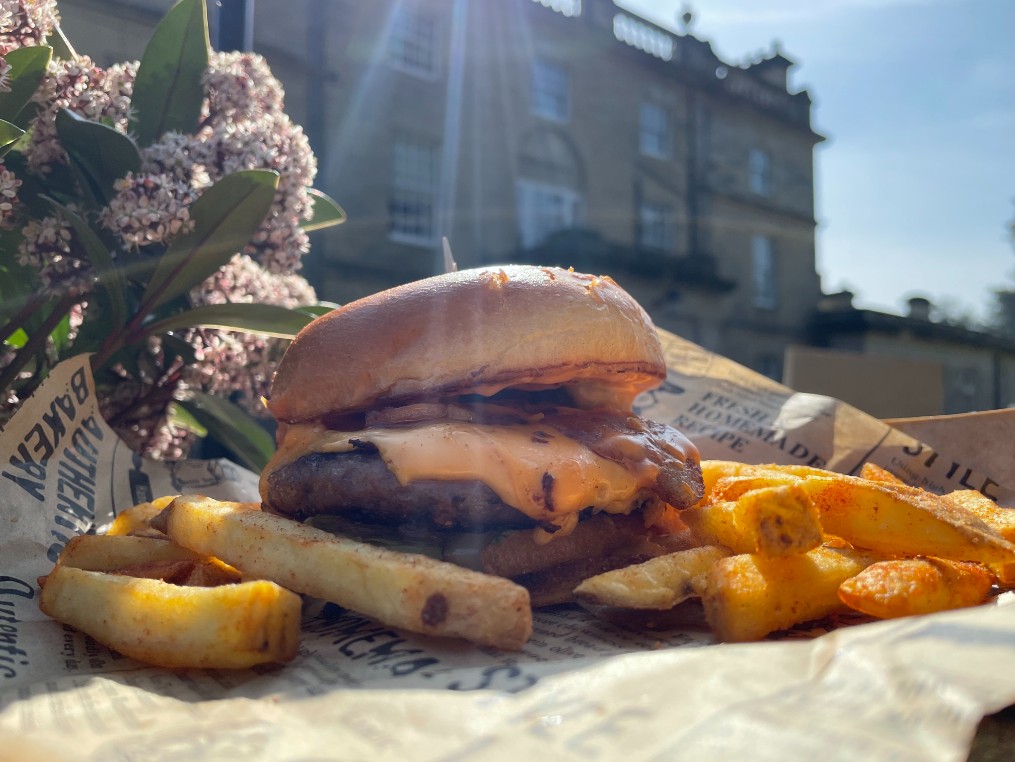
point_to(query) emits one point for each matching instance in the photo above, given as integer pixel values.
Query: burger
(484, 417)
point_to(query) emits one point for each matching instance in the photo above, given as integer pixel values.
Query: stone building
(564, 132)
(896, 366)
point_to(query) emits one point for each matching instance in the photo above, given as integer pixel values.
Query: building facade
(566, 132)
(895, 366)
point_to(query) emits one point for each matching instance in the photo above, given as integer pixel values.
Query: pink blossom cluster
(272, 143)
(26, 22)
(91, 92)
(149, 209)
(241, 365)
(246, 128)
(241, 88)
(47, 247)
(9, 185)
(87, 90)
(137, 405)
(243, 126)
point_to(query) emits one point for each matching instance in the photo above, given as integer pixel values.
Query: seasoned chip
(399, 589)
(230, 626)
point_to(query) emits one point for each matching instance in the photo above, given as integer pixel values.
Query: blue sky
(915, 186)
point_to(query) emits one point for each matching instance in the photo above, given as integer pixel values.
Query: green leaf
(177, 416)
(37, 336)
(28, 67)
(232, 427)
(17, 339)
(326, 212)
(60, 335)
(110, 279)
(109, 309)
(177, 347)
(61, 45)
(321, 308)
(168, 92)
(19, 285)
(99, 154)
(12, 274)
(128, 357)
(59, 182)
(267, 319)
(9, 135)
(225, 216)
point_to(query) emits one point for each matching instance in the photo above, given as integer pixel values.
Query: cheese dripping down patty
(533, 467)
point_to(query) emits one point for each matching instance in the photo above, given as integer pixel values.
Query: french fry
(109, 553)
(210, 572)
(803, 472)
(228, 627)
(735, 487)
(144, 556)
(135, 520)
(900, 520)
(911, 586)
(715, 470)
(876, 473)
(1001, 520)
(659, 583)
(773, 521)
(1004, 574)
(399, 589)
(749, 596)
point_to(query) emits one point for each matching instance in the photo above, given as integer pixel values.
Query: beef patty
(359, 484)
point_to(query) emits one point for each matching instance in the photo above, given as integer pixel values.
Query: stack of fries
(194, 582)
(159, 602)
(776, 546)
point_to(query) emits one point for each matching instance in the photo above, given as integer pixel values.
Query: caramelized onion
(444, 411)
(422, 411)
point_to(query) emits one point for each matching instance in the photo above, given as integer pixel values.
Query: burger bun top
(472, 331)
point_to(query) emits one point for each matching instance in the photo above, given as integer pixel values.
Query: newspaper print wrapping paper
(583, 688)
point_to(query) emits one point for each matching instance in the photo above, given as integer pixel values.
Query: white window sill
(412, 240)
(555, 118)
(658, 155)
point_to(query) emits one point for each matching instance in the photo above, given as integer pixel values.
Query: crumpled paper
(583, 688)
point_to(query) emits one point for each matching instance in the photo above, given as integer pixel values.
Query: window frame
(759, 172)
(531, 236)
(538, 87)
(411, 186)
(661, 217)
(405, 33)
(764, 275)
(663, 149)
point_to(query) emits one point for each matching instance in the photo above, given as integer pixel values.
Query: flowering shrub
(152, 213)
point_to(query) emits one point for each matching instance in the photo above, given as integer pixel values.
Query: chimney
(919, 308)
(773, 69)
(840, 301)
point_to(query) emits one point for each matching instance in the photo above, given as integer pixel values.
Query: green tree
(1002, 317)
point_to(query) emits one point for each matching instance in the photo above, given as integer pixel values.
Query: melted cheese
(531, 467)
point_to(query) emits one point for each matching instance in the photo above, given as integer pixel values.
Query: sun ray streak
(452, 123)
